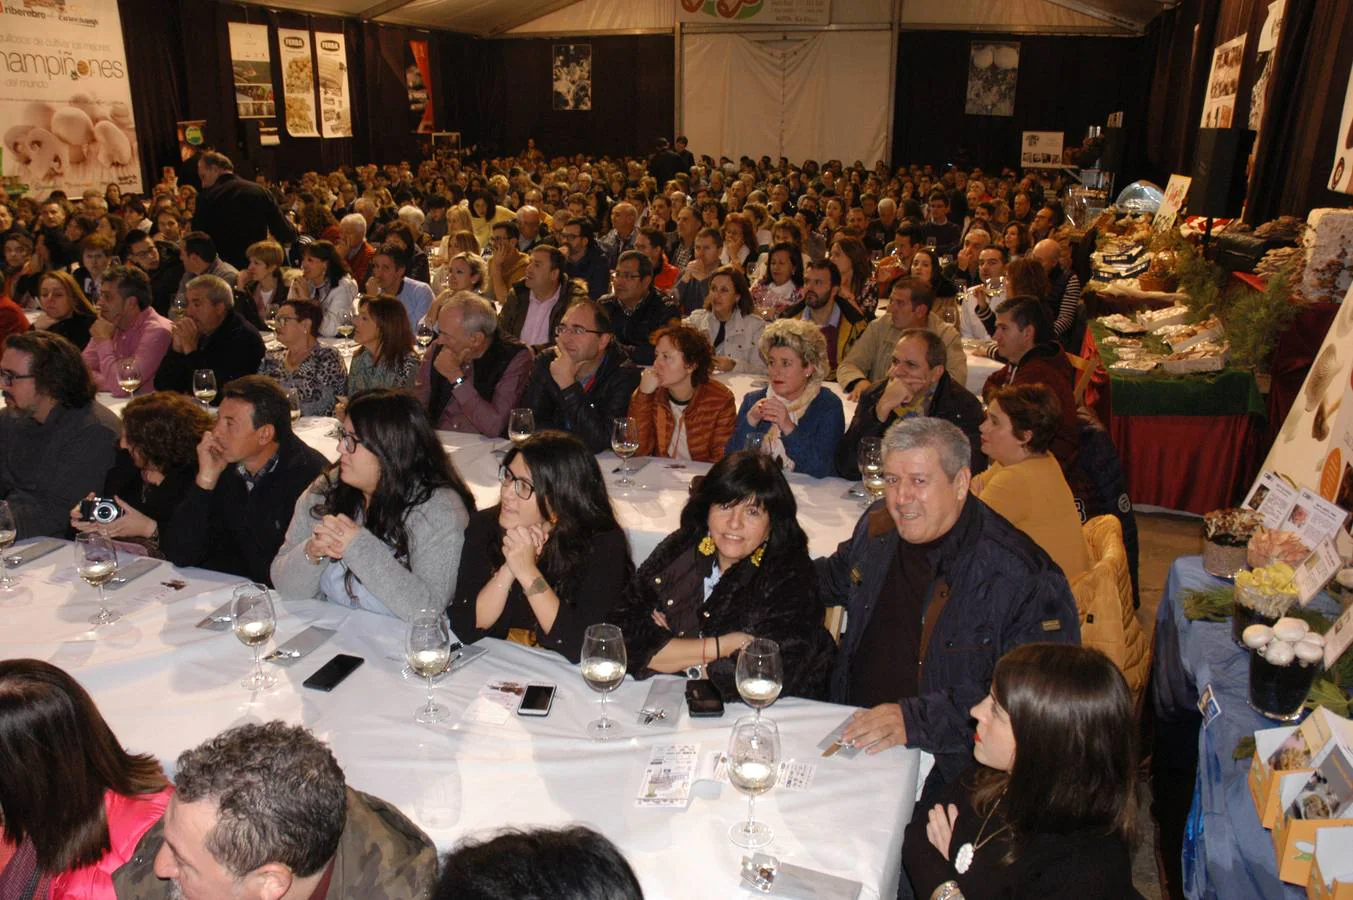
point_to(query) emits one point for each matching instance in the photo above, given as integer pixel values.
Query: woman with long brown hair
(75, 803)
(385, 356)
(65, 308)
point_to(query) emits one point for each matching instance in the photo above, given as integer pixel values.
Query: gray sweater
(436, 536)
(45, 469)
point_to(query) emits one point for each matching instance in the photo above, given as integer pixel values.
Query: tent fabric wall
(822, 97)
(603, 15)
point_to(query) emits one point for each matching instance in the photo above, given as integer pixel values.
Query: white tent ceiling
(492, 18)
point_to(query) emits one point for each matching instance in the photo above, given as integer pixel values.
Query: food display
(1270, 545)
(1154, 320)
(1207, 356)
(1122, 324)
(1263, 596)
(1329, 265)
(1227, 533)
(1284, 660)
(1182, 337)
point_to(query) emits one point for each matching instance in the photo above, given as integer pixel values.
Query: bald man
(1065, 300)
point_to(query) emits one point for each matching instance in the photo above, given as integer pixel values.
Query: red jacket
(128, 819)
(1047, 364)
(12, 318)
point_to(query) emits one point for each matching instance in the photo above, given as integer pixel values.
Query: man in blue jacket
(936, 587)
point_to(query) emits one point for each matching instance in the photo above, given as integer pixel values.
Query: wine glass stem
(430, 703)
(103, 605)
(4, 572)
(604, 722)
(751, 812)
(258, 665)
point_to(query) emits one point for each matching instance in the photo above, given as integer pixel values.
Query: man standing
(687, 157)
(56, 443)
(585, 258)
(583, 383)
(507, 265)
(637, 308)
(235, 212)
(666, 163)
(840, 322)
(909, 306)
(127, 328)
(264, 811)
(535, 305)
(211, 335)
(474, 376)
(389, 275)
(936, 588)
(161, 263)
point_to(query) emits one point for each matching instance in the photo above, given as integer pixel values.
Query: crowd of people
(586, 291)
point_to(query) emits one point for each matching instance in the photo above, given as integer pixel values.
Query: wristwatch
(458, 382)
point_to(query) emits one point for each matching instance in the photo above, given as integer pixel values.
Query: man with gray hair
(531, 231)
(352, 243)
(263, 811)
(475, 374)
(937, 587)
(211, 335)
(625, 219)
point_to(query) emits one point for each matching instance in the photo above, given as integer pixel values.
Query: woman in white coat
(728, 322)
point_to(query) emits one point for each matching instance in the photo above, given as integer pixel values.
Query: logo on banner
(329, 45)
(724, 9)
(293, 43)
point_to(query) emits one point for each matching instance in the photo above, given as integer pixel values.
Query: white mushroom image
(89, 106)
(46, 164)
(16, 145)
(75, 128)
(114, 147)
(39, 115)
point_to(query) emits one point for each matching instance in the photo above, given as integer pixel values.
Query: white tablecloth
(165, 686)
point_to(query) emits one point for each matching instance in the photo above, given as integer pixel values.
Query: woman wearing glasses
(381, 530)
(315, 373)
(550, 558)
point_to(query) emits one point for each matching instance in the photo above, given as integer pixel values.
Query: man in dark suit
(235, 212)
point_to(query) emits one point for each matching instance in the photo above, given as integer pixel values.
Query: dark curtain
(157, 82)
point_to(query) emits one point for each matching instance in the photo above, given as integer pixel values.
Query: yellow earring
(706, 546)
(757, 554)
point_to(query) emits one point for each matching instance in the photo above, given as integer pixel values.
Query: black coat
(634, 330)
(777, 599)
(952, 402)
(593, 270)
(587, 414)
(230, 351)
(237, 213)
(164, 281)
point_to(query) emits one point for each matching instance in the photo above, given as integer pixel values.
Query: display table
(1187, 442)
(165, 686)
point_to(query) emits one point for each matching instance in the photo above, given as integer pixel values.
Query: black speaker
(1218, 186)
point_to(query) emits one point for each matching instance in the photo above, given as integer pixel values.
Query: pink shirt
(147, 339)
(129, 818)
(536, 329)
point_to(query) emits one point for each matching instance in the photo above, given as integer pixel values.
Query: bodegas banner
(65, 101)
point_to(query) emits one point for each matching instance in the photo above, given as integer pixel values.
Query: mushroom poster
(993, 70)
(65, 102)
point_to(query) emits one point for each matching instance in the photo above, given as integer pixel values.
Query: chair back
(1104, 600)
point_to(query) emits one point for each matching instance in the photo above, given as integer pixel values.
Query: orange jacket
(709, 421)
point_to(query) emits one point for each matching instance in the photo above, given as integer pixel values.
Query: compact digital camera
(99, 509)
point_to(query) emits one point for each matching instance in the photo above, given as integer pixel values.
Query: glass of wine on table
(625, 443)
(753, 765)
(429, 653)
(254, 622)
(204, 386)
(603, 668)
(96, 563)
(129, 375)
(9, 531)
(760, 673)
(521, 424)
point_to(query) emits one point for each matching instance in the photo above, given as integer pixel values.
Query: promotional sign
(192, 137)
(1169, 208)
(754, 12)
(65, 102)
(331, 55)
(418, 79)
(1223, 84)
(571, 76)
(298, 82)
(251, 63)
(1041, 150)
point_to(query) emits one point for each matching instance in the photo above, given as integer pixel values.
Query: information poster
(754, 12)
(65, 102)
(331, 58)
(418, 79)
(1341, 177)
(298, 82)
(251, 63)
(1223, 84)
(1173, 202)
(1041, 150)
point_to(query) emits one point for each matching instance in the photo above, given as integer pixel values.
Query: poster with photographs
(1041, 150)
(1341, 177)
(298, 82)
(418, 82)
(993, 69)
(251, 63)
(331, 56)
(1219, 105)
(571, 73)
(1264, 47)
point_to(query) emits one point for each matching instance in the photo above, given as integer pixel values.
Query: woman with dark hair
(711, 214)
(65, 308)
(727, 321)
(571, 863)
(1027, 277)
(737, 568)
(925, 265)
(75, 803)
(1049, 809)
(550, 558)
(316, 373)
(857, 280)
(680, 411)
(1025, 482)
(739, 243)
(23, 271)
(782, 284)
(385, 356)
(402, 233)
(1016, 240)
(484, 214)
(325, 280)
(381, 530)
(160, 434)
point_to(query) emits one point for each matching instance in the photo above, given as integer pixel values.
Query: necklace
(963, 859)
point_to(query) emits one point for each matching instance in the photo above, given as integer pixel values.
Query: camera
(99, 509)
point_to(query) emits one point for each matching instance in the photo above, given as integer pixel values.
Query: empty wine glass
(870, 457)
(603, 668)
(96, 562)
(129, 375)
(521, 424)
(753, 765)
(625, 443)
(429, 653)
(254, 622)
(760, 673)
(8, 532)
(294, 401)
(204, 386)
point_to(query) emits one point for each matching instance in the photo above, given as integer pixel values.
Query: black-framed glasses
(347, 441)
(520, 486)
(7, 378)
(575, 330)
(282, 320)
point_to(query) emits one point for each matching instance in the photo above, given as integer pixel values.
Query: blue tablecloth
(1227, 854)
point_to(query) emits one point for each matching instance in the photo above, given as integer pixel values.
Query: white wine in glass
(425, 335)
(96, 563)
(603, 668)
(753, 765)
(345, 326)
(870, 459)
(254, 622)
(294, 401)
(204, 386)
(129, 375)
(9, 532)
(760, 673)
(521, 424)
(428, 651)
(625, 443)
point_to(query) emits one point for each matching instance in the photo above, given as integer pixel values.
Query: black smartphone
(331, 674)
(703, 699)
(536, 700)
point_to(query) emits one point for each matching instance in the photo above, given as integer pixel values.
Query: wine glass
(425, 335)
(345, 327)
(294, 401)
(271, 321)
(949, 314)
(521, 424)
(254, 623)
(760, 673)
(870, 457)
(129, 375)
(603, 668)
(429, 653)
(204, 386)
(753, 764)
(8, 532)
(178, 308)
(625, 443)
(96, 562)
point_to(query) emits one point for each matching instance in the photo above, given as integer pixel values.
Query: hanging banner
(1041, 150)
(1268, 42)
(66, 104)
(331, 56)
(251, 63)
(993, 72)
(1223, 84)
(571, 76)
(754, 12)
(418, 79)
(1341, 177)
(298, 82)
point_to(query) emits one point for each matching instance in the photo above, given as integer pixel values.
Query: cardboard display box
(1332, 868)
